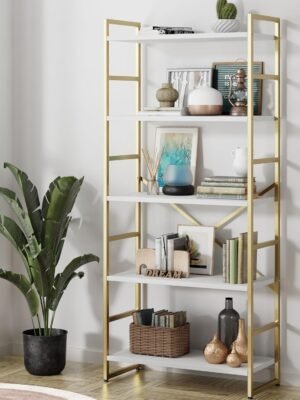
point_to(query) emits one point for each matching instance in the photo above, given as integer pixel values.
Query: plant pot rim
(55, 332)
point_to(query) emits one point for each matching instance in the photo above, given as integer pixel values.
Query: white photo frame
(177, 145)
(184, 80)
(201, 248)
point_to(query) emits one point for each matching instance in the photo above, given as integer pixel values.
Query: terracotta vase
(215, 351)
(233, 359)
(241, 342)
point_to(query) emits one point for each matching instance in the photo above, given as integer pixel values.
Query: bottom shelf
(193, 361)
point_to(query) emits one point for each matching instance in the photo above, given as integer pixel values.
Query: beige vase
(167, 95)
(241, 342)
(233, 359)
(215, 351)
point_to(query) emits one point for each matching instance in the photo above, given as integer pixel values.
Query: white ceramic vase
(226, 25)
(205, 100)
(240, 157)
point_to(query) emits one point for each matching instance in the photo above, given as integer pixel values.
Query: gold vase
(233, 359)
(241, 342)
(215, 352)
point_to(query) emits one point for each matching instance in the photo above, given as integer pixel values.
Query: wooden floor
(143, 385)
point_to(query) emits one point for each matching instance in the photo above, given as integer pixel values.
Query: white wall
(58, 129)
(5, 153)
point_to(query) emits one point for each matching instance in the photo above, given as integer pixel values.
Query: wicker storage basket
(157, 341)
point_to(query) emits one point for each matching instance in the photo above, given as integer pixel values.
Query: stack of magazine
(235, 259)
(161, 318)
(224, 187)
(166, 30)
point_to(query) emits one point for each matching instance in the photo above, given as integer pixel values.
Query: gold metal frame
(107, 159)
(274, 325)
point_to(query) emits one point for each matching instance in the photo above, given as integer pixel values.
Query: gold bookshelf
(248, 207)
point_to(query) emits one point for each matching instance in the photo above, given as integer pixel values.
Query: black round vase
(228, 323)
(45, 355)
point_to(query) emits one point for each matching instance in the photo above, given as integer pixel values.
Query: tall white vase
(240, 157)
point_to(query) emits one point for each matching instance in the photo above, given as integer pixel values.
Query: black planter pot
(45, 355)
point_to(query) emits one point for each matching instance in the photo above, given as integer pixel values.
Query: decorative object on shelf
(177, 146)
(241, 342)
(233, 359)
(167, 95)
(226, 13)
(178, 179)
(221, 73)
(159, 341)
(205, 100)
(152, 166)
(144, 259)
(178, 190)
(228, 323)
(240, 161)
(237, 95)
(215, 352)
(184, 80)
(201, 247)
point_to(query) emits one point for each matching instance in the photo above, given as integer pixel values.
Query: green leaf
(23, 218)
(23, 284)
(62, 280)
(31, 197)
(11, 230)
(57, 204)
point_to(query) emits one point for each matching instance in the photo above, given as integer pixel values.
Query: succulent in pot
(38, 233)
(227, 21)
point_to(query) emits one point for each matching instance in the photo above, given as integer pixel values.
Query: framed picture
(186, 79)
(221, 74)
(177, 146)
(201, 248)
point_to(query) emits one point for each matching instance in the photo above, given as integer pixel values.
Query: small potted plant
(38, 236)
(226, 13)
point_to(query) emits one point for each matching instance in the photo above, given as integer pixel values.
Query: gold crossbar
(123, 370)
(264, 328)
(126, 78)
(123, 23)
(268, 243)
(266, 385)
(266, 77)
(122, 315)
(228, 218)
(266, 190)
(265, 18)
(123, 236)
(267, 160)
(124, 157)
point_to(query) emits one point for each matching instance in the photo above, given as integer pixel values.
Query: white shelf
(194, 361)
(188, 118)
(194, 281)
(195, 37)
(143, 197)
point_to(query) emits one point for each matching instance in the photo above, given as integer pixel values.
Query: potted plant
(38, 233)
(226, 13)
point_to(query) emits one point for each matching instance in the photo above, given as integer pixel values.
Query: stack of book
(164, 250)
(235, 259)
(166, 30)
(155, 111)
(224, 187)
(161, 318)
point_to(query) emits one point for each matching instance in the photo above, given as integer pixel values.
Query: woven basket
(157, 341)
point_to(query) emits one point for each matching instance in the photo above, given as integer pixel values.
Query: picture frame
(185, 80)
(221, 73)
(201, 248)
(177, 145)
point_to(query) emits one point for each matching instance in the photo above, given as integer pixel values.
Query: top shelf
(195, 37)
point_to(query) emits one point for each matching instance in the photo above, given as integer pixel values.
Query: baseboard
(5, 349)
(73, 354)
